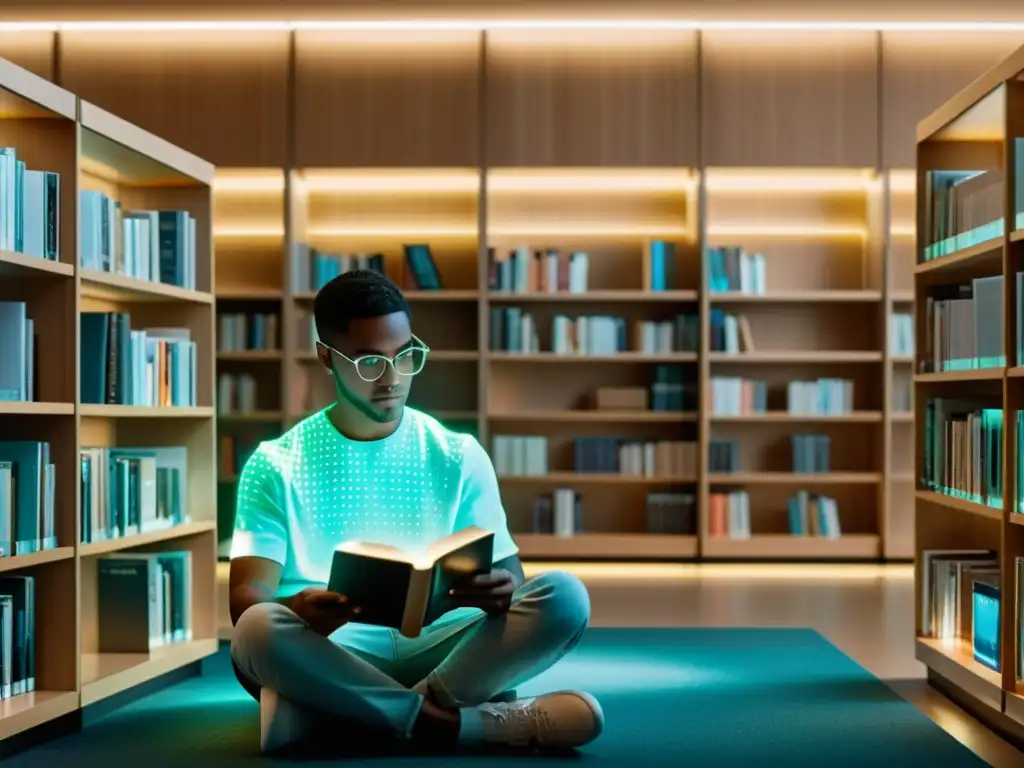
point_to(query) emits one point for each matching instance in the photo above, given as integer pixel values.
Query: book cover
(407, 591)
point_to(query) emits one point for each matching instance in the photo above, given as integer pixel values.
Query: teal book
(29, 459)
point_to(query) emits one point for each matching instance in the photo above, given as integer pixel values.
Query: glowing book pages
(408, 591)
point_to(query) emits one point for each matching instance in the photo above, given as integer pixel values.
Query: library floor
(866, 611)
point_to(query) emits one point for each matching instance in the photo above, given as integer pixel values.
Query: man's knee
(257, 631)
(563, 600)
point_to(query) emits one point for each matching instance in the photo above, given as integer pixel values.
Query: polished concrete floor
(866, 611)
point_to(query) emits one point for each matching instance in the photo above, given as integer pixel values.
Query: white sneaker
(281, 721)
(564, 719)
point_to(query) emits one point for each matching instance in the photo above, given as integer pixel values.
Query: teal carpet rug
(672, 697)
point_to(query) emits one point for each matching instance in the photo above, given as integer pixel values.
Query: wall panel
(32, 50)
(790, 98)
(387, 99)
(222, 95)
(592, 98)
(921, 71)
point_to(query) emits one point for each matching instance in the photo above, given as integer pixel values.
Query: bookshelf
(829, 243)
(967, 399)
(401, 108)
(52, 279)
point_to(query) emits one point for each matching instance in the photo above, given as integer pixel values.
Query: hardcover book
(406, 591)
(986, 625)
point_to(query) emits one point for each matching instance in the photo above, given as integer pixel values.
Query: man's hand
(322, 610)
(491, 592)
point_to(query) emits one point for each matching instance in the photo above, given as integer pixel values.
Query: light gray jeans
(274, 648)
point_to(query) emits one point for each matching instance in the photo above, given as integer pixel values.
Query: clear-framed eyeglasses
(408, 362)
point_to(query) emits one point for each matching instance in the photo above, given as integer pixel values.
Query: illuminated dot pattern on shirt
(306, 492)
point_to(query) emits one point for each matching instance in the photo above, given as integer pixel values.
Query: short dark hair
(354, 295)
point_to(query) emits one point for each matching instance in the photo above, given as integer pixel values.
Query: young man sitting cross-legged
(370, 468)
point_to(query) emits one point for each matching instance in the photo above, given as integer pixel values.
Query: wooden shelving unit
(53, 130)
(402, 100)
(832, 281)
(837, 228)
(979, 130)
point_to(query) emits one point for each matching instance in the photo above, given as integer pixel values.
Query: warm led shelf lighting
(790, 180)
(513, 24)
(248, 182)
(624, 231)
(903, 181)
(363, 182)
(392, 232)
(808, 231)
(907, 230)
(250, 233)
(583, 180)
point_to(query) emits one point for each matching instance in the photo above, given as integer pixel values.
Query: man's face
(379, 339)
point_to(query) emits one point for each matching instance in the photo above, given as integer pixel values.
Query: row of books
(143, 603)
(736, 396)
(544, 271)
(671, 513)
(28, 481)
(143, 600)
(17, 352)
(550, 270)
(809, 514)
(960, 600)
(810, 454)
(123, 366)
(901, 334)
(670, 390)
(17, 635)
(964, 208)
(634, 458)
(29, 208)
(1020, 312)
(520, 455)
(312, 268)
(963, 450)
(729, 515)
(159, 246)
(964, 326)
(515, 330)
(128, 491)
(681, 334)
(561, 513)
(730, 333)
(593, 335)
(236, 393)
(240, 331)
(731, 268)
(673, 389)
(723, 456)
(813, 514)
(1020, 462)
(527, 456)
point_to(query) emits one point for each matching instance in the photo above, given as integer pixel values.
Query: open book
(404, 591)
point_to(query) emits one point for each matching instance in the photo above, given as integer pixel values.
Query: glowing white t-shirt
(304, 493)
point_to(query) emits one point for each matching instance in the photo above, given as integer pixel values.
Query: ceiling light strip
(517, 24)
